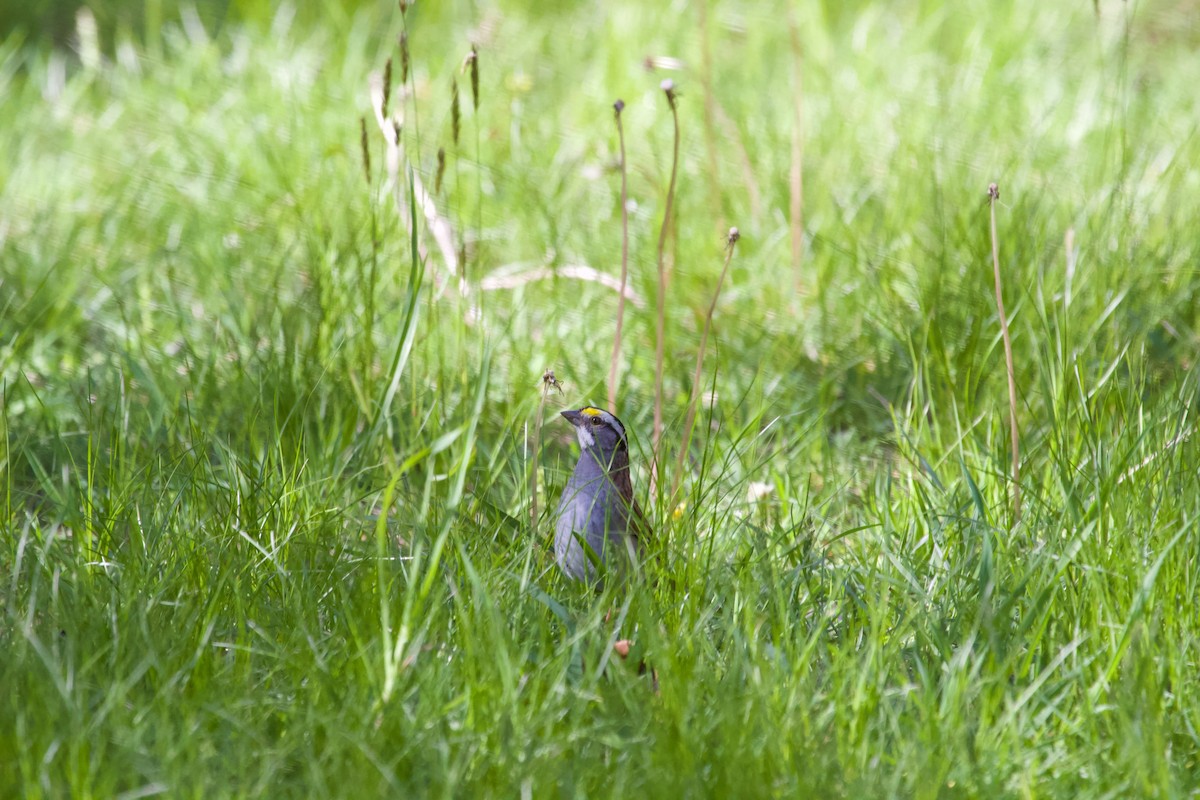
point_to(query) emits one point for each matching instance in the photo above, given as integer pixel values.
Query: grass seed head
(668, 87)
(471, 62)
(454, 113)
(549, 381)
(441, 170)
(404, 57)
(387, 85)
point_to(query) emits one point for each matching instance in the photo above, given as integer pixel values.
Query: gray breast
(591, 522)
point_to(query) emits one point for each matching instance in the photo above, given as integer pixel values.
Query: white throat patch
(585, 437)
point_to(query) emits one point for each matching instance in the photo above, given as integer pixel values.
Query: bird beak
(573, 416)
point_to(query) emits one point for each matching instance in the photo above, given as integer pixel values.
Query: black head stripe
(610, 418)
(620, 426)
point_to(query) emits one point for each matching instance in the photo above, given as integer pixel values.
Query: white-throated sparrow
(598, 521)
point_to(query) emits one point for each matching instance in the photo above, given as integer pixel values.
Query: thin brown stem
(549, 381)
(616, 353)
(694, 401)
(668, 88)
(993, 197)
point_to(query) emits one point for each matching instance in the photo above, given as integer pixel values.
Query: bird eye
(597, 421)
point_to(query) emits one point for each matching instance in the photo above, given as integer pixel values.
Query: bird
(599, 526)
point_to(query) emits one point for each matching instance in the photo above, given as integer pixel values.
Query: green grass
(265, 474)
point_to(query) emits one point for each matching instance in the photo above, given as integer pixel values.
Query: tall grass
(265, 485)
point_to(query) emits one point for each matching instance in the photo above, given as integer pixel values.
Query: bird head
(598, 430)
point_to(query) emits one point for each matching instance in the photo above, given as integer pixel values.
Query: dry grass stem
(690, 421)
(993, 197)
(614, 365)
(501, 279)
(1150, 459)
(439, 226)
(668, 88)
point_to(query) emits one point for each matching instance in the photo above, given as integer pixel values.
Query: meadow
(278, 290)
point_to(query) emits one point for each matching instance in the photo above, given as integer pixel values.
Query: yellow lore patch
(591, 412)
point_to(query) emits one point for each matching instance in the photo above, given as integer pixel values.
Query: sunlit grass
(266, 475)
